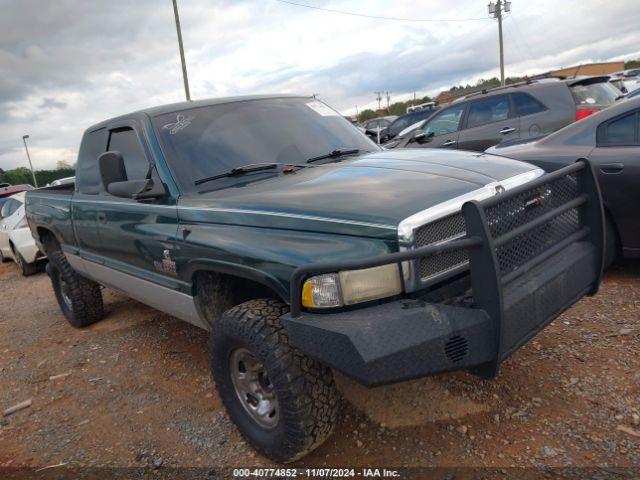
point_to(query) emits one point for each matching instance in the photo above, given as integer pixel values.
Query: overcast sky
(66, 64)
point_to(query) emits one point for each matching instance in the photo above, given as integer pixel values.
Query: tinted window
(621, 131)
(526, 104)
(5, 208)
(10, 207)
(126, 142)
(489, 110)
(404, 121)
(595, 94)
(87, 174)
(447, 121)
(210, 140)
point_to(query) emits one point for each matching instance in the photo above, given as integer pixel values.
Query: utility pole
(388, 99)
(24, 140)
(379, 98)
(180, 46)
(496, 10)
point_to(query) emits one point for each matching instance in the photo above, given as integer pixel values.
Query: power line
(517, 37)
(379, 17)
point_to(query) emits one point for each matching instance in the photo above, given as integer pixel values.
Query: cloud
(52, 103)
(71, 63)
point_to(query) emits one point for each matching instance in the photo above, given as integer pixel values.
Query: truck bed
(50, 207)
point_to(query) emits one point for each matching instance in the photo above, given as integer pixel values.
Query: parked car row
(551, 123)
(611, 142)
(526, 110)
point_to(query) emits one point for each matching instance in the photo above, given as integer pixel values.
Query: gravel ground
(134, 390)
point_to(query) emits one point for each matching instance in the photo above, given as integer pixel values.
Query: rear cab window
(87, 175)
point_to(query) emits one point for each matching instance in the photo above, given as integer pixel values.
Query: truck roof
(178, 106)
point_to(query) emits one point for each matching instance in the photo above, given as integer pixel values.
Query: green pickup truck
(302, 247)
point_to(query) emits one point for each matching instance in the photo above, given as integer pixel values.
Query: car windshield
(600, 94)
(206, 141)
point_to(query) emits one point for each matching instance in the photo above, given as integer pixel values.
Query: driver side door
(440, 131)
(136, 235)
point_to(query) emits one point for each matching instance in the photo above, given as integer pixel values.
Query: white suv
(16, 242)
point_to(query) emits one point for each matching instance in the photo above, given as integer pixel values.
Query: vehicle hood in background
(365, 196)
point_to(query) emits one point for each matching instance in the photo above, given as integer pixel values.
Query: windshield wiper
(334, 154)
(252, 167)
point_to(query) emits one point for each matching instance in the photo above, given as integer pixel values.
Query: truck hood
(367, 195)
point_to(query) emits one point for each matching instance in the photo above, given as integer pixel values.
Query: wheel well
(48, 240)
(608, 216)
(217, 292)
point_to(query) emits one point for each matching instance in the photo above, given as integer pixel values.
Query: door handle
(102, 217)
(448, 143)
(506, 130)
(612, 167)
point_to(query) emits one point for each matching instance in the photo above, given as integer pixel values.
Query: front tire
(283, 402)
(80, 299)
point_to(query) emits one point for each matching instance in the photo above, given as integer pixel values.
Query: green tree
(22, 175)
(398, 108)
(632, 64)
(366, 115)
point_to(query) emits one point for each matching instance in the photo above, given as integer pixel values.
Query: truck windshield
(206, 141)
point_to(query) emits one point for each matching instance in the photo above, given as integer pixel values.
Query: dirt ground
(134, 390)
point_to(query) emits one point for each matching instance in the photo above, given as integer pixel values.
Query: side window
(445, 122)
(125, 141)
(10, 207)
(526, 104)
(87, 173)
(488, 110)
(620, 131)
(6, 208)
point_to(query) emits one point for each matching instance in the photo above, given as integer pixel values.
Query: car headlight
(351, 286)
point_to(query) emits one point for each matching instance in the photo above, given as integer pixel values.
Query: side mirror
(422, 137)
(115, 180)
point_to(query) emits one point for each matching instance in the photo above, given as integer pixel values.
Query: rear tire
(25, 268)
(80, 299)
(298, 393)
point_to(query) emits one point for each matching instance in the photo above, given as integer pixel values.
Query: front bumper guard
(515, 295)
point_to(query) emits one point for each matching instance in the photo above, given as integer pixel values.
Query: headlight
(351, 286)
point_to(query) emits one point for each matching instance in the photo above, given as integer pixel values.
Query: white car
(16, 242)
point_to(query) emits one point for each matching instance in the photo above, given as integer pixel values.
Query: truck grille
(510, 214)
(502, 218)
(440, 231)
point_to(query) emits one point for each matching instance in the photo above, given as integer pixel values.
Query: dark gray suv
(526, 110)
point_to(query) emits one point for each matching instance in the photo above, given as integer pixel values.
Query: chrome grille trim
(407, 228)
